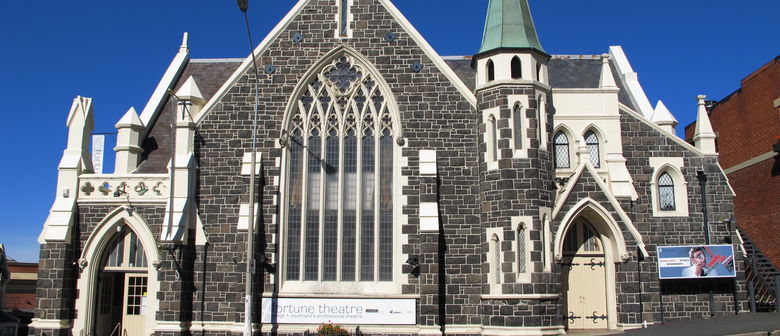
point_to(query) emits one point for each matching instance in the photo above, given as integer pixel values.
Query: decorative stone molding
(82, 264)
(135, 188)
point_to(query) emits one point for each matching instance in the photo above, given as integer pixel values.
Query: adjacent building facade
(510, 192)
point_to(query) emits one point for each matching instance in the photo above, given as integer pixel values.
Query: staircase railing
(760, 274)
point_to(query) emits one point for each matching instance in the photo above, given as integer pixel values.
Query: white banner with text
(340, 311)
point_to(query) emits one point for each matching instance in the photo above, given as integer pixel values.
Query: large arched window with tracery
(339, 223)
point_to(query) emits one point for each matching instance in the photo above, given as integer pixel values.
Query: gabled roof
(509, 25)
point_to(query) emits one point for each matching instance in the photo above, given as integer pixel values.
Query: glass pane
(294, 208)
(496, 259)
(311, 260)
(518, 119)
(344, 13)
(666, 192)
(493, 139)
(521, 260)
(386, 208)
(349, 205)
(330, 238)
(367, 211)
(593, 146)
(561, 151)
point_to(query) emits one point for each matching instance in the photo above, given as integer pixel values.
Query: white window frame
(673, 166)
(490, 139)
(494, 271)
(600, 143)
(375, 288)
(566, 171)
(523, 102)
(527, 223)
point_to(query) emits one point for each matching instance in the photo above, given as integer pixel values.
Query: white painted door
(135, 305)
(585, 278)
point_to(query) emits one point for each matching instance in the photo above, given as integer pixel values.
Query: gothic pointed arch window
(666, 192)
(491, 71)
(517, 68)
(592, 141)
(561, 150)
(125, 253)
(339, 185)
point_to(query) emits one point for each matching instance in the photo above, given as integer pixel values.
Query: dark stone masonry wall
(683, 299)
(433, 114)
(206, 283)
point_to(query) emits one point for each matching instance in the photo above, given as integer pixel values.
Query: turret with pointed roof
(509, 25)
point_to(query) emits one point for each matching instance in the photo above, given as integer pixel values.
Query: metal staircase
(759, 273)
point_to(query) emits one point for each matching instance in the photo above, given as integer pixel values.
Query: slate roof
(565, 71)
(209, 74)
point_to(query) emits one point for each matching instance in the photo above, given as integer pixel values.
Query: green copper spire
(509, 25)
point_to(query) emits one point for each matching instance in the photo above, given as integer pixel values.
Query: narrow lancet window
(592, 141)
(344, 18)
(561, 150)
(517, 68)
(666, 192)
(517, 116)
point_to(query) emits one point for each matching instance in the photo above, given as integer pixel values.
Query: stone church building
(510, 192)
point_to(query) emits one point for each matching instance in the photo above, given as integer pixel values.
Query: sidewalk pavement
(744, 324)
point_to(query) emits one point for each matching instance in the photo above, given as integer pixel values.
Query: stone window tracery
(339, 225)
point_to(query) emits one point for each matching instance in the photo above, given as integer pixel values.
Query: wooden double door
(584, 278)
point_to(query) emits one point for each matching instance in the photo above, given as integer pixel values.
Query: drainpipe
(703, 184)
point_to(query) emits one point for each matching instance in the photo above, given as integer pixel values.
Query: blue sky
(116, 52)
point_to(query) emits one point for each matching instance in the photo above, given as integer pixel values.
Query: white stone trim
(545, 217)
(522, 102)
(528, 223)
(561, 200)
(246, 163)
(631, 79)
(92, 252)
(488, 137)
(428, 165)
(430, 52)
(681, 142)
(282, 25)
(429, 217)
(491, 234)
(516, 331)
(244, 67)
(243, 216)
(728, 181)
(673, 166)
(160, 94)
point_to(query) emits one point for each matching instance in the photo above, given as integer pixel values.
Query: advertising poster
(696, 261)
(340, 311)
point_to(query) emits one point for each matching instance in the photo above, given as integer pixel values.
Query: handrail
(118, 325)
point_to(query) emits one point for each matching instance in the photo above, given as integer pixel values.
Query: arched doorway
(122, 298)
(585, 267)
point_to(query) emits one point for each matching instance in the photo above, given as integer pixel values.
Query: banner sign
(98, 144)
(340, 311)
(696, 261)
